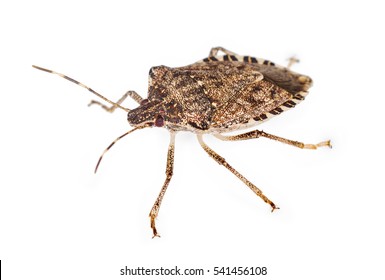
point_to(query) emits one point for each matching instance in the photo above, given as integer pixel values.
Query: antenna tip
(41, 68)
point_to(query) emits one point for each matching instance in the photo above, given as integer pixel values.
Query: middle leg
(223, 162)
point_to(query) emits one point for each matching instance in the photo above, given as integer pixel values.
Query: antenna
(82, 85)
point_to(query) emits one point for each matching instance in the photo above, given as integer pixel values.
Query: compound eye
(159, 121)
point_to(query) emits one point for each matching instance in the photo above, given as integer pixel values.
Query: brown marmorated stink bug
(215, 95)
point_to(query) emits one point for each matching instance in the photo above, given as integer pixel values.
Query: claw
(154, 231)
(273, 207)
(315, 146)
(325, 143)
(292, 60)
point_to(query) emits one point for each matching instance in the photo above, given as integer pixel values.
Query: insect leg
(112, 108)
(259, 133)
(223, 162)
(292, 60)
(169, 171)
(214, 51)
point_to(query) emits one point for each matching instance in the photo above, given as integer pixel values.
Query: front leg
(169, 172)
(112, 108)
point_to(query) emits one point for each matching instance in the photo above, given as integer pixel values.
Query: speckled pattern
(219, 94)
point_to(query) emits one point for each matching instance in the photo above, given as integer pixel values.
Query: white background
(60, 221)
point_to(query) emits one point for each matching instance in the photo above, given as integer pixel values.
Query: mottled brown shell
(220, 94)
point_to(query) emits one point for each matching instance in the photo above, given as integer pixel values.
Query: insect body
(215, 95)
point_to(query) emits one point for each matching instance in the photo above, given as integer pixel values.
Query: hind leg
(214, 51)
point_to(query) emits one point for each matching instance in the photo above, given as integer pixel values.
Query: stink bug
(215, 95)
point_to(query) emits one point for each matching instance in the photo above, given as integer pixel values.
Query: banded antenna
(82, 85)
